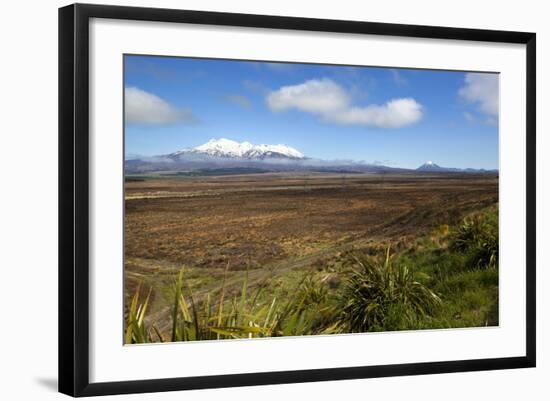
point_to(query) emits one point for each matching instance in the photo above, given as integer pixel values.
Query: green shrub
(379, 296)
(477, 237)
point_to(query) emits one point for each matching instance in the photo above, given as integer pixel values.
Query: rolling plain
(274, 229)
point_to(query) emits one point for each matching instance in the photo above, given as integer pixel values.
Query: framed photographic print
(250, 199)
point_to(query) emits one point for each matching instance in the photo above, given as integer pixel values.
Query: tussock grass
(477, 236)
(383, 296)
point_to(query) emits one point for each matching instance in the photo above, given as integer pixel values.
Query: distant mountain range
(431, 167)
(225, 153)
(226, 148)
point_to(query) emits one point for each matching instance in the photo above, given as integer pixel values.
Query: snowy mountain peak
(430, 166)
(228, 148)
(225, 147)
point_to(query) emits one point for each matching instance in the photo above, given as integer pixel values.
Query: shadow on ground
(47, 382)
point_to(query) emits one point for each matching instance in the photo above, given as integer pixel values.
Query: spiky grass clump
(379, 296)
(313, 291)
(136, 329)
(477, 237)
(240, 316)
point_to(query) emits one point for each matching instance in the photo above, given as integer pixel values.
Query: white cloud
(396, 113)
(315, 96)
(331, 102)
(142, 107)
(483, 90)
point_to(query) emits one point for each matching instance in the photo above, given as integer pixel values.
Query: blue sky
(397, 117)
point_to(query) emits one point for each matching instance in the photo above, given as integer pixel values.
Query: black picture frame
(74, 201)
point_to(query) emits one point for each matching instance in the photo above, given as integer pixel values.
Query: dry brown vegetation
(270, 224)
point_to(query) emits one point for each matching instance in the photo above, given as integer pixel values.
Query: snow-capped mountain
(434, 168)
(225, 154)
(430, 166)
(226, 148)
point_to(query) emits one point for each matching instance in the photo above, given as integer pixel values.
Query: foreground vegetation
(446, 279)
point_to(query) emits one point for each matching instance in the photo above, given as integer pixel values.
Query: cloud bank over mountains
(332, 103)
(225, 153)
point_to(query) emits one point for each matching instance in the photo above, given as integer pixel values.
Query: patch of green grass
(470, 299)
(463, 270)
(133, 179)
